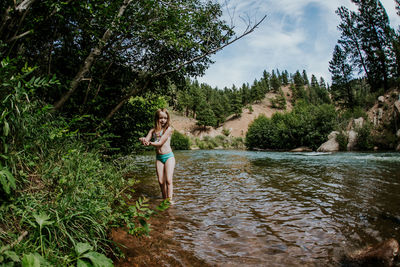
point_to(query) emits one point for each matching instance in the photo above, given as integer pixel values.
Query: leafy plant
(34, 260)
(42, 220)
(8, 257)
(85, 256)
(180, 141)
(7, 180)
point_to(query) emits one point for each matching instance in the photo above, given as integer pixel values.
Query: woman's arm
(146, 140)
(163, 138)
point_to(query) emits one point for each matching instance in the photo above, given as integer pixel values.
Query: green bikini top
(156, 136)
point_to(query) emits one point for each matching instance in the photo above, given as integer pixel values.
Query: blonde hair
(157, 125)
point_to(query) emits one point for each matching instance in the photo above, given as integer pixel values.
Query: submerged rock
(381, 254)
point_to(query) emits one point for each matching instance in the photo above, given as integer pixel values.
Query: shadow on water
(240, 208)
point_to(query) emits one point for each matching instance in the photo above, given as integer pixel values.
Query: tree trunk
(135, 91)
(90, 59)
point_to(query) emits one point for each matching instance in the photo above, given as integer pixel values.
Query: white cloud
(297, 35)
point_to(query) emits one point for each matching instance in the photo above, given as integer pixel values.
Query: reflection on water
(239, 208)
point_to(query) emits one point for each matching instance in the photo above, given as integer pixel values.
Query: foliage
(279, 101)
(219, 141)
(306, 125)
(226, 132)
(135, 120)
(364, 138)
(85, 256)
(205, 116)
(135, 217)
(16, 89)
(180, 141)
(367, 48)
(65, 192)
(342, 140)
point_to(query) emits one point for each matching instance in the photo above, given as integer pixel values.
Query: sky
(296, 35)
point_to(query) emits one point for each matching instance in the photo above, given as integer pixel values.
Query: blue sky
(296, 35)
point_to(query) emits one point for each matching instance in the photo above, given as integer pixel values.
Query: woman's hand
(144, 141)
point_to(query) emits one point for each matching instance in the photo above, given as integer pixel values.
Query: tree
(112, 50)
(205, 116)
(236, 102)
(350, 39)
(285, 77)
(298, 91)
(275, 82)
(377, 42)
(305, 78)
(341, 72)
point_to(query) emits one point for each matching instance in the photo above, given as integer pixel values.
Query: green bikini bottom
(164, 157)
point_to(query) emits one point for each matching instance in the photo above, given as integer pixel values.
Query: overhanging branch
(246, 32)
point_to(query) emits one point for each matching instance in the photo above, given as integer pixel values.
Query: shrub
(364, 138)
(226, 132)
(343, 140)
(306, 125)
(180, 141)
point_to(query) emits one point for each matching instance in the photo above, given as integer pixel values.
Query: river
(244, 208)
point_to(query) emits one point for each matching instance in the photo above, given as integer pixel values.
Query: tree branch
(91, 57)
(246, 32)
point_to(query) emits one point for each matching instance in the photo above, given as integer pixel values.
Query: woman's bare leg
(169, 167)
(161, 178)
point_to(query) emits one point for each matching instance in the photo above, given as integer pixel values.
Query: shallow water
(241, 208)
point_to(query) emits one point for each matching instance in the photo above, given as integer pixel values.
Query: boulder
(352, 140)
(333, 135)
(381, 99)
(329, 146)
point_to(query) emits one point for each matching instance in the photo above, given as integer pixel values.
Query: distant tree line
(212, 106)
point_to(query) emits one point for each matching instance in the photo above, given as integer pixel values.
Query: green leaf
(31, 260)
(42, 219)
(34, 260)
(82, 263)
(98, 260)
(81, 248)
(12, 255)
(7, 180)
(6, 128)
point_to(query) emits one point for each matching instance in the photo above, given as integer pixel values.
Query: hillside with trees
(364, 67)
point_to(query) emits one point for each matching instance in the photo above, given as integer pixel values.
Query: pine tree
(377, 38)
(298, 91)
(341, 72)
(350, 39)
(205, 116)
(305, 78)
(285, 77)
(322, 83)
(275, 82)
(236, 103)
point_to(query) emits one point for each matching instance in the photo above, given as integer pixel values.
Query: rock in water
(381, 254)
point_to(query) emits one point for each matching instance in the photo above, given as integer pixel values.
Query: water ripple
(237, 208)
